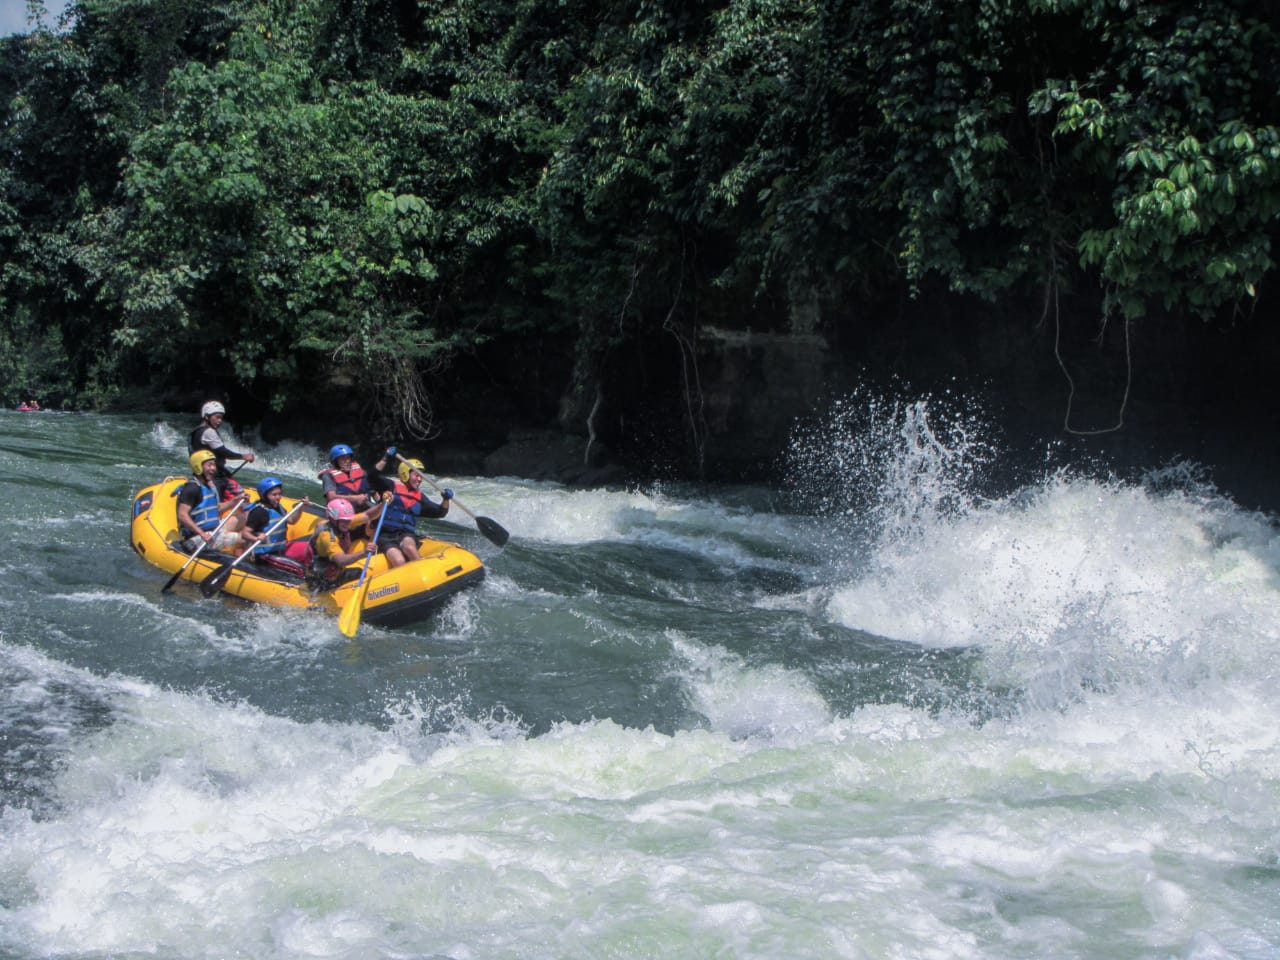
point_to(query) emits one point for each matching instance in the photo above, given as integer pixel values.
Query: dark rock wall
(721, 404)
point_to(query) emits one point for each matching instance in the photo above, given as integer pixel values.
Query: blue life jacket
(205, 513)
(403, 510)
(277, 538)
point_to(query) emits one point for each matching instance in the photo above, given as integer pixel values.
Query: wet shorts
(391, 540)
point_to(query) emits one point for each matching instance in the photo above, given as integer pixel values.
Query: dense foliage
(264, 197)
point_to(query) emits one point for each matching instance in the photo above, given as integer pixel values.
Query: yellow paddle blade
(349, 619)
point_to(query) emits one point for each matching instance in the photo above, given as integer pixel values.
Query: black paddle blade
(211, 584)
(173, 579)
(492, 529)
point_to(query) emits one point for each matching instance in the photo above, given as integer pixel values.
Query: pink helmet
(341, 509)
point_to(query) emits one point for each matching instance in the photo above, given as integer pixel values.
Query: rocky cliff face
(1131, 396)
(754, 387)
(722, 404)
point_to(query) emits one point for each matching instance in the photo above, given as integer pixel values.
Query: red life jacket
(353, 481)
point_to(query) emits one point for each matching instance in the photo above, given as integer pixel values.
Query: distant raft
(396, 595)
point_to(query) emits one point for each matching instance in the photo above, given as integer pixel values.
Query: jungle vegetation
(256, 195)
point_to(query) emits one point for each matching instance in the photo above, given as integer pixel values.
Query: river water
(882, 711)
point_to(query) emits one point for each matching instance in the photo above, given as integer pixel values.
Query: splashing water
(892, 466)
(1068, 584)
(1027, 723)
(287, 458)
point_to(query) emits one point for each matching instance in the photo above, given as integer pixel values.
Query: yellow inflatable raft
(395, 596)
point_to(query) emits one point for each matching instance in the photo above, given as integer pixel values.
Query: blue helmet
(266, 485)
(341, 450)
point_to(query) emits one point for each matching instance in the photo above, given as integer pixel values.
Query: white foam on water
(298, 465)
(289, 460)
(166, 438)
(742, 701)
(554, 514)
(1083, 582)
(199, 828)
(1127, 804)
(1070, 583)
(181, 624)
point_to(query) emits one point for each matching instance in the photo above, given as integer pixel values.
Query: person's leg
(409, 547)
(226, 540)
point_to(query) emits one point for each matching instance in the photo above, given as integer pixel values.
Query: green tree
(276, 221)
(369, 188)
(1179, 117)
(1137, 135)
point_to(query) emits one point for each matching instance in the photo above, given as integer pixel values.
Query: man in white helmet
(206, 437)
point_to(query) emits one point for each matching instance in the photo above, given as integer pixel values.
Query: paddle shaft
(487, 525)
(349, 619)
(213, 583)
(204, 543)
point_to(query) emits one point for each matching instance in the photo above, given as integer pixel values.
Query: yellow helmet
(410, 465)
(199, 459)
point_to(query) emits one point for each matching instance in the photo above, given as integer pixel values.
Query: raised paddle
(349, 619)
(203, 544)
(491, 528)
(214, 581)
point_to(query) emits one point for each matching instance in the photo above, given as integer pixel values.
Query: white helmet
(212, 407)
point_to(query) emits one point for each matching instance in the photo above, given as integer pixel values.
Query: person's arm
(227, 506)
(326, 547)
(362, 527)
(186, 526)
(377, 481)
(366, 518)
(229, 454)
(358, 550)
(434, 511)
(255, 525)
(213, 440)
(328, 486)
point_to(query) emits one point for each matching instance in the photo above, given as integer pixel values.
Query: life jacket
(194, 442)
(205, 513)
(403, 509)
(278, 538)
(353, 481)
(324, 566)
(354, 534)
(323, 569)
